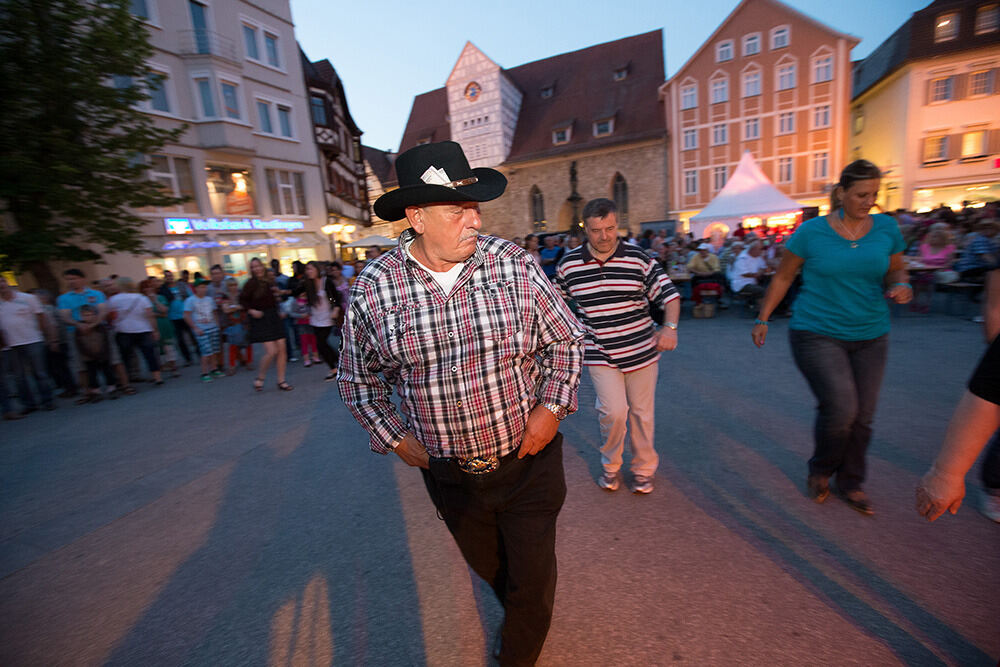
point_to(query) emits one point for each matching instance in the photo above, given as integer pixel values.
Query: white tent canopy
(748, 193)
(369, 241)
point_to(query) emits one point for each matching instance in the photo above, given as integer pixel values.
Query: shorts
(77, 365)
(208, 341)
(985, 381)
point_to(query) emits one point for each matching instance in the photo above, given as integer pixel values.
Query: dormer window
(604, 127)
(561, 135)
(946, 27)
(987, 18)
(547, 92)
(620, 74)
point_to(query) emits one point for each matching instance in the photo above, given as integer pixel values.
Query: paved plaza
(203, 524)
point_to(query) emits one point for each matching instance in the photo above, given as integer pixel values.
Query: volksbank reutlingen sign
(191, 225)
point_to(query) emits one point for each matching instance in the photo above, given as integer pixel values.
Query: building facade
(563, 130)
(926, 107)
(231, 71)
(772, 81)
(380, 177)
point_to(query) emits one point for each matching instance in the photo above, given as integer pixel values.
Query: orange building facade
(772, 81)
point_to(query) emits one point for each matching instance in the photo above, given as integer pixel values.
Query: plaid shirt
(468, 366)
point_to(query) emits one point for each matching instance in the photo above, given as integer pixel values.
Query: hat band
(436, 176)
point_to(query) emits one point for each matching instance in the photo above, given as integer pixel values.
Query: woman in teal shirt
(851, 262)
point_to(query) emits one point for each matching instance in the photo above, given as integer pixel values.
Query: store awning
(196, 243)
(374, 240)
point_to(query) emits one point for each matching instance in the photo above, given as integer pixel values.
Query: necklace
(853, 238)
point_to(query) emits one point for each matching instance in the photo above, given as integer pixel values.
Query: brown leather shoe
(857, 500)
(819, 487)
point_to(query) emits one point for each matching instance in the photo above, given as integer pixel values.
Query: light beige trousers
(625, 402)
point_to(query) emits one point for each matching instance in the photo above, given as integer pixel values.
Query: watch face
(472, 91)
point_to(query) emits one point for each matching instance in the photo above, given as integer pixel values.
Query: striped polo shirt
(613, 299)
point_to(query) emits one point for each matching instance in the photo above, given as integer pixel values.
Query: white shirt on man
(131, 312)
(19, 319)
(746, 263)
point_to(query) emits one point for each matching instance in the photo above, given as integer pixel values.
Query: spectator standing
(135, 328)
(200, 314)
(265, 326)
(69, 304)
(93, 345)
(851, 262)
(531, 245)
(550, 255)
(325, 310)
(57, 357)
(176, 293)
(235, 328)
(614, 283)
(26, 332)
(164, 329)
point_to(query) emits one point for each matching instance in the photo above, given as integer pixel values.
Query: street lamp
(331, 230)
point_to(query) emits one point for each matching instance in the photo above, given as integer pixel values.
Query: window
(859, 120)
(720, 134)
(230, 190)
(719, 177)
(547, 92)
(820, 166)
(287, 193)
(720, 90)
(751, 129)
(537, 206)
(620, 74)
(230, 100)
(603, 128)
(173, 174)
(318, 107)
(821, 117)
(974, 144)
(981, 83)
(823, 69)
(689, 97)
(751, 84)
(936, 149)
(779, 37)
(724, 51)
(264, 117)
(690, 181)
(946, 27)
(942, 89)
(619, 193)
(987, 19)
(285, 121)
(141, 9)
(786, 122)
(690, 139)
(250, 42)
(561, 136)
(205, 96)
(785, 169)
(271, 48)
(751, 44)
(786, 77)
(155, 86)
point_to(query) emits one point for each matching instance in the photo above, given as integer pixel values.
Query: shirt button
(459, 404)
(451, 334)
(454, 369)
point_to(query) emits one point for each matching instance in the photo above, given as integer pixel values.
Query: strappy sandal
(284, 386)
(258, 384)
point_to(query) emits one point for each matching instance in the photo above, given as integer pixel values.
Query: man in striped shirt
(614, 283)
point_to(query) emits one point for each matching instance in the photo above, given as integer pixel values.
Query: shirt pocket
(492, 310)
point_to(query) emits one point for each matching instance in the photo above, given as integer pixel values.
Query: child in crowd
(199, 313)
(307, 337)
(234, 319)
(95, 351)
(166, 346)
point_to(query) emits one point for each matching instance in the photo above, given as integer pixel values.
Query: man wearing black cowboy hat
(486, 359)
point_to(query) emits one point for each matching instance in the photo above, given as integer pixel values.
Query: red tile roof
(584, 91)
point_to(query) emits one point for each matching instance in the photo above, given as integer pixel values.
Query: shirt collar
(407, 238)
(589, 257)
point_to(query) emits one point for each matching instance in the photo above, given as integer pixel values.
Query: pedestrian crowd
(99, 341)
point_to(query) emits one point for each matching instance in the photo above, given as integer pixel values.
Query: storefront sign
(192, 225)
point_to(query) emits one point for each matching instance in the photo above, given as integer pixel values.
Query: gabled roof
(748, 192)
(322, 74)
(584, 91)
(381, 163)
(914, 40)
(776, 3)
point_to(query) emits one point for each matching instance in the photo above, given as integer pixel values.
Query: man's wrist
(558, 411)
(671, 325)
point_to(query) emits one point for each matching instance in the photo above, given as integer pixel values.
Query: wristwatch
(559, 411)
(671, 325)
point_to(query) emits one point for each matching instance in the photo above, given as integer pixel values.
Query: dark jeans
(505, 525)
(991, 465)
(845, 377)
(181, 329)
(92, 368)
(322, 344)
(29, 360)
(127, 342)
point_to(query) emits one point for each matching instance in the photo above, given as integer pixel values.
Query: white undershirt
(446, 279)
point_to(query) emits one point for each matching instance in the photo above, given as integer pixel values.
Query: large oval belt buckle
(479, 465)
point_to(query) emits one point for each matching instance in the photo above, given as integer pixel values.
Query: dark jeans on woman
(505, 525)
(129, 342)
(329, 355)
(845, 377)
(182, 329)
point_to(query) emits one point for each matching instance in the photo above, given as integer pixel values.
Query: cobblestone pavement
(207, 525)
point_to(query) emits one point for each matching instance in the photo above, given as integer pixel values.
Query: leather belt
(481, 465)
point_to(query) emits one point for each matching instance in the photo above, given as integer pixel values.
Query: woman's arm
(898, 280)
(776, 291)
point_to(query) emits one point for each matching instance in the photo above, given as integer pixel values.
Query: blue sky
(388, 52)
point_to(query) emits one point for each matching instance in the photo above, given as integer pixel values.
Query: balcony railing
(207, 43)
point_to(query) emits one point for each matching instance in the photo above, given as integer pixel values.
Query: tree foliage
(71, 143)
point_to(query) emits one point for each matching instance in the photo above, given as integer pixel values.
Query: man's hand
(939, 491)
(538, 432)
(666, 339)
(412, 452)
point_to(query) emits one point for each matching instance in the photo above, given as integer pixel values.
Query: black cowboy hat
(437, 173)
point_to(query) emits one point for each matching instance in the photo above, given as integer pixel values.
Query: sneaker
(642, 484)
(292, 359)
(819, 487)
(609, 481)
(307, 363)
(217, 373)
(206, 378)
(330, 377)
(990, 506)
(857, 500)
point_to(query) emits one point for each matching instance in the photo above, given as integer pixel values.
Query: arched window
(619, 193)
(537, 207)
